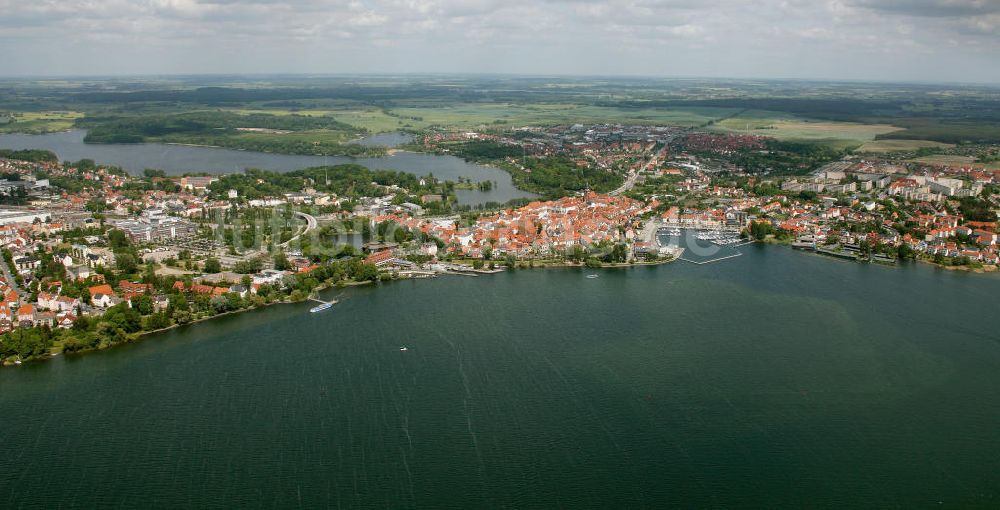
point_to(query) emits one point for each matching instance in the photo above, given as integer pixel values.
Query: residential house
(102, 296)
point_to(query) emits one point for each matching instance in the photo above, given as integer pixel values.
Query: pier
(720, 236)
(720, 259)
(320, 301)
(314, 296)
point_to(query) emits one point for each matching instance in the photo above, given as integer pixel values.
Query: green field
(335, 110)
(889, 145)
(947, 130)
(949, 160)
(793, 128)
(474, 115)
(471, 115)
(38, 122)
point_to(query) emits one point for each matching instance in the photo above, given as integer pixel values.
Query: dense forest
(289, 134)
(484, 150)
(551, 177)
(343, 180)
(558, 176)
(33, 155)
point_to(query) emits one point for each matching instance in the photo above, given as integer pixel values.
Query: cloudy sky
(924, 40)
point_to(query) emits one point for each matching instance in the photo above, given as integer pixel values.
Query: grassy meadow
(954, 160)
(794, 128)
(39, 122)
(884, 146)
(473, 115)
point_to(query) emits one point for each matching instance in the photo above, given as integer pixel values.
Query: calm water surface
(775, 379)
(177, 159)
(385, 140)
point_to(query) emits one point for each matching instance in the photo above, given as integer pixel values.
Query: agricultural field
(884, 146)
(375, 120)
(415, 116)
(470, 115)
(950, 130)
(953, 160)
(326, 114)
(37, 122)
(792, 128)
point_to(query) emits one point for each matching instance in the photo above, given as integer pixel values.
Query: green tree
(250, 266)
(156, 321)
(281, 262)
(143, 304)
(118, 240)
(96, 205)
(126, 263)
(905, 252)
(122, 317)
(366, 272)
(212, 265)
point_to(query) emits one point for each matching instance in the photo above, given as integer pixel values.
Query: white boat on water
(320, 308)
(591, 276)
(403, 349)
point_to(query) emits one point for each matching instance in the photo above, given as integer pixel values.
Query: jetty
(720, 259)
(320, 301)
(323, 305)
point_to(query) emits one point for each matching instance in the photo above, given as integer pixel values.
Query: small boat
(404, 349)
(320, 308)
(591, 276)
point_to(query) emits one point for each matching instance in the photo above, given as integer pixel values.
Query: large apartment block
(154, 226)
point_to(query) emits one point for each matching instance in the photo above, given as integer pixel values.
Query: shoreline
(140, 335)
(982, 269)
(135, 337)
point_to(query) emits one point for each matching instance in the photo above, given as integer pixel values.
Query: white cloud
(780, 38)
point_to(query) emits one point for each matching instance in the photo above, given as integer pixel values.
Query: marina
(702, 245)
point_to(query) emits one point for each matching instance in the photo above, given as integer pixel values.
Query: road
(10, 278)
(632, 176)
(311, 224)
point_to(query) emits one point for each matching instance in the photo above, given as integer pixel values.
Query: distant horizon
(868, 40)
(554, 76)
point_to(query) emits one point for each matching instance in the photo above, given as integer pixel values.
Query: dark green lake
(775, 379)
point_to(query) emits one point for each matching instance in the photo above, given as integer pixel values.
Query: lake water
(385, 140)
(774, 379)
(177, 159)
